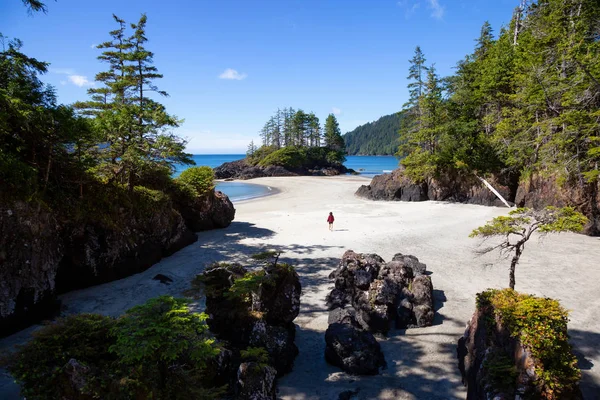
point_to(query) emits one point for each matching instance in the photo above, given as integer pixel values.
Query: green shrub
(200, 179)
(38, 366)
(158, 350)
(260, 154)
(287, 157)
(540, 324)
(255, 354)
(163, 349)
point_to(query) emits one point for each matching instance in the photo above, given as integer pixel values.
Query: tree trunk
(513, 265)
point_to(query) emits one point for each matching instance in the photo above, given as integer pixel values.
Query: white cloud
(93, 46)
(411, 6)
(437, 9)
(209, 142)
(336, 111)
(63, 82)
(230, 73)
(80, 80)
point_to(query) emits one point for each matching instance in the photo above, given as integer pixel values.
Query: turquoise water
(367, 166)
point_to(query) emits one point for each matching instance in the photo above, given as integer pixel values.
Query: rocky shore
(535, 191)
(44, 255)
(241, 169)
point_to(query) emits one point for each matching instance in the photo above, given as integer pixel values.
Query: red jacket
(330, 219)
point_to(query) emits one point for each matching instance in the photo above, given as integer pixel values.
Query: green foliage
(375, 138)
(38, 366)
(526, 100)
(523, 220)
(265, 255)
(200, 179)
(500, 371)
(255, 354)
(303, 157)
(163, 348)
(540, 324)
(243, 288)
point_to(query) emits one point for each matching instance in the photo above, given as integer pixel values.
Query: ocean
(367, 166)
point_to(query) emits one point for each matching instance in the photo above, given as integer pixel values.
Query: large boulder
(278, 341)
(383, 295)
(256, 381)
(352, 349)
(210, 211)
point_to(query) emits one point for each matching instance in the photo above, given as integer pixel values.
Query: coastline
(421, 362)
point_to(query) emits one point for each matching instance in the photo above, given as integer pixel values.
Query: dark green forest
(375, 138)
(525, 101)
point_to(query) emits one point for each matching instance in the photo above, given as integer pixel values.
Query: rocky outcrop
(495, 364)
(241, 169)
(383, 295)
(396, 186)
(256, 381)
(43, 253)
(371, 295)
(30, 251)
(251, 311)
(537, 191)
(211, 211)
(257, 315)
(353, 349)
(95, 253)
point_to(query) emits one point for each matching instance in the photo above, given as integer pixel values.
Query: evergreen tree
(332, 134)
(134, 126)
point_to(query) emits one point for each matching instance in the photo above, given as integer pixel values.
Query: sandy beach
(421, 363)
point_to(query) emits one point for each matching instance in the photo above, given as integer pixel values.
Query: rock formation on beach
(252, 312)
(372, 296)
(396, 186)
(44, 254)
(516, 346)
(241, 169)
(535, 191)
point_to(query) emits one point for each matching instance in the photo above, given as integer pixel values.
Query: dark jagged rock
(396, 186)
(43, 254)
(241, 169)
(352, 349)
(260, 319)
(382, 295)
(211, 211)
(539, 191)
(30, 250)
(279, 343)
(256, 382)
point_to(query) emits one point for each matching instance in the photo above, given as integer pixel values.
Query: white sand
(421, 362)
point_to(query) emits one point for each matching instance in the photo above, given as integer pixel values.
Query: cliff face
(538, 192)
(462, 189)
(30, 251)
(41, 257)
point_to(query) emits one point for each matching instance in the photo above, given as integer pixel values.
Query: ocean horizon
(367, 166)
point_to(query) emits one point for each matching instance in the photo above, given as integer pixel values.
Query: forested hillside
(524, 103)
(374, 138)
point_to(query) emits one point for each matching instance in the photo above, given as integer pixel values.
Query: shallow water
(367, 166)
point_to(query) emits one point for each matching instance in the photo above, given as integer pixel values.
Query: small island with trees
(293, 143)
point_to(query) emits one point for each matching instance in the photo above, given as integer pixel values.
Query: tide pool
(367, 166)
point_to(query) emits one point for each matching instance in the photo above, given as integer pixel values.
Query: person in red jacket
(330, 220)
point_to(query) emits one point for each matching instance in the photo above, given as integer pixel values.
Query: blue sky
(228, 65)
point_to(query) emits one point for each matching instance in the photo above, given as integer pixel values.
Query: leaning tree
(517, 228)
